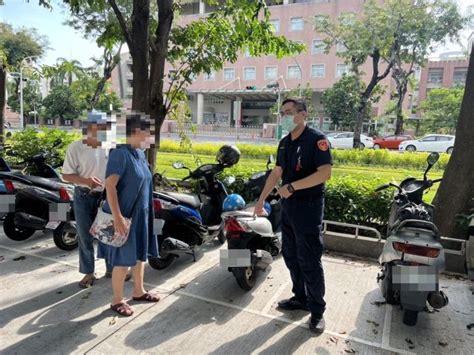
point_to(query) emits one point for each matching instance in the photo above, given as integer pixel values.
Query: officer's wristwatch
(290, 188)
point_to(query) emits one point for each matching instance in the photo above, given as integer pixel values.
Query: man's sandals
(124, 308)
(87, 281)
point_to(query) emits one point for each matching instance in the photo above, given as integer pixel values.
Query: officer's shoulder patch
(323, 145)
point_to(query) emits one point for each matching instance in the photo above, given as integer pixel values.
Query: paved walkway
(204, 311)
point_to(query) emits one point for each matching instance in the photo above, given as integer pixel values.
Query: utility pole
(21, 88)
(276, 87)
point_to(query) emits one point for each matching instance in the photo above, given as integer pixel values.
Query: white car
(440, 143)
(345, 140)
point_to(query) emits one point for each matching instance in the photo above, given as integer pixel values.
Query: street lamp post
(301, 75)
(276, 87)
(21, 88)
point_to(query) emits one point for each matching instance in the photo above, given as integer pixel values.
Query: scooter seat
(186, 199)
(47, 184)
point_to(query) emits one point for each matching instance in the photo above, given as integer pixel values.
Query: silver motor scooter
(413, 256)
(252, 241)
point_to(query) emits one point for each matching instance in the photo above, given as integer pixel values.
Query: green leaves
(17, 44)
(441, 109)
(342, 101)
(30, 141)
(61, 103)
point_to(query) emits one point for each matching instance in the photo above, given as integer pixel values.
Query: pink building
(238, 94)
(442, 74)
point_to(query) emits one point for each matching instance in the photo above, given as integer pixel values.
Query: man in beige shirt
(84, 166)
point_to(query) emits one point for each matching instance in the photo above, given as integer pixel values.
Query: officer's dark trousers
(303, 247)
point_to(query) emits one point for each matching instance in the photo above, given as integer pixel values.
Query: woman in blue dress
(129, 190)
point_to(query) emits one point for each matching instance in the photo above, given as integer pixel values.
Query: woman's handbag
(103, 229)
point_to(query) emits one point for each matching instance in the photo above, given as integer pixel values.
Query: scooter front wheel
(245, 277)
(161, 263)
(15, 232)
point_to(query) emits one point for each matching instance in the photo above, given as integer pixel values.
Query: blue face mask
(102, 136)
(287, 123)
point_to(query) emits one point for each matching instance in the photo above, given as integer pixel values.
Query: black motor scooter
(192, 219)
(42, 201)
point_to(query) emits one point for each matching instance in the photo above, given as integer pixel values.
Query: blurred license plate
(415, 278)
(235, 258)
(52, 225)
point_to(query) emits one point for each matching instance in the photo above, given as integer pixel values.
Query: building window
(341, 48)
(275, 24)
(341, 69)
(271, 73)
(210, 76)
(250, 73)
(317, 46)
(247, 53)
(318, 71)
(459, 77)
(435, 75)
(229, 74)
(296, 24)
(294, 72)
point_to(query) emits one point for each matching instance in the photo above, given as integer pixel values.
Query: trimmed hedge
(31, 141)
(370, 157)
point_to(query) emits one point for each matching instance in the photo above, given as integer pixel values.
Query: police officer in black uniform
(304, 164)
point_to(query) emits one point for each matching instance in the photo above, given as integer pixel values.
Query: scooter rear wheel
(410, 317)
(221, 237)
(245, 277)
(15, 232)
(390, 296)
(161, 263)
(66, 240)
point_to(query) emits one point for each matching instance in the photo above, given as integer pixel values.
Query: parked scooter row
(412, 258)
(36, 199)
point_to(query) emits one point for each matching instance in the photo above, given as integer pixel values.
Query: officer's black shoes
(292, 304)
(317, 324)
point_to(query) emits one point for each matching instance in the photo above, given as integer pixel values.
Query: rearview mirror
(230, 180)
(178, 165)
(432, 158)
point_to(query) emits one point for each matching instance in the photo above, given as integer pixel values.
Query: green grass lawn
(245, 165)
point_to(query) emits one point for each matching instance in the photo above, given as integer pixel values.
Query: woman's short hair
(136, 121)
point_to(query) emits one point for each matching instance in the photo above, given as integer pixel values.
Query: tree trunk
(362, 111)
(402, 91)
(140, 54)
(159, 52)
(3, 83)
(110, 62)
(456, 193)
(359, 122)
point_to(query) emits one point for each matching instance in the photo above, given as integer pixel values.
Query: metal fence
(220, 131)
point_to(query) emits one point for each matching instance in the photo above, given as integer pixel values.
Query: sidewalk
(204, 311)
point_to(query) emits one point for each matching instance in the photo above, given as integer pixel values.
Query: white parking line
(276, 296)
(34, 254)
(289, 321)
(210, 265)
(387, 325)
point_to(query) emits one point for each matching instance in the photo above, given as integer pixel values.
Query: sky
(64, 40)
(67, 43)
